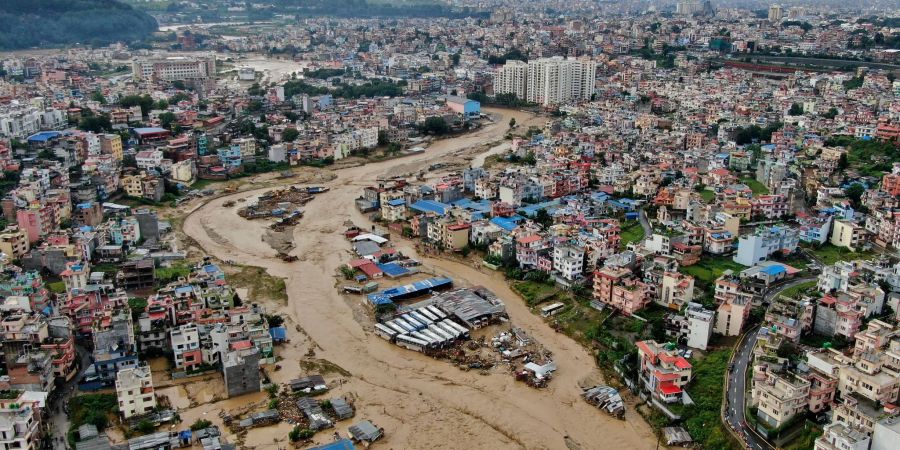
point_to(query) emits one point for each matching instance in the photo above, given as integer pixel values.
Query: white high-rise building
(776, 13)
(553, 81)
(512, 78)
(548, 81)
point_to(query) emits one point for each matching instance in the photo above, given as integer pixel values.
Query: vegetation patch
(259, 283)
(830, 254)
(702, 419)
(632, 231)
(95, 409)
(711, 268)
(755, 186)
(535, 292)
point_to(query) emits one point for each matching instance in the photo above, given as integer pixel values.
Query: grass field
(632, 231)
(830, 254)
(708, 196)
(755, 186)
(710, 268)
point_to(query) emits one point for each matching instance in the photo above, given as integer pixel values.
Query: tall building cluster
(548, 81)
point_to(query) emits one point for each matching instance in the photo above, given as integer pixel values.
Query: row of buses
(422, 330)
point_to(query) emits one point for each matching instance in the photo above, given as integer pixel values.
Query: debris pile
(277, 203)
(530, 362)
(606, 398)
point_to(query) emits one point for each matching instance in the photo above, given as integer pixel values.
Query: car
(731, 367)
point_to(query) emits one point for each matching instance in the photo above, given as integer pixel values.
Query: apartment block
(134, 390)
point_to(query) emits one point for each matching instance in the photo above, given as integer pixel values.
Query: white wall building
(758, 246)
(700, 325)
(554, 81)
(134, 389)
(512, 78)
(174, 68)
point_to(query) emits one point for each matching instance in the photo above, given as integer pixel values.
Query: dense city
(550, 225)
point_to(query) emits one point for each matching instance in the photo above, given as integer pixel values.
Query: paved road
(59, 420)
(737, 388)
(645, 223)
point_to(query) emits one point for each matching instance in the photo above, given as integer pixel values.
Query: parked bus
(550, 310)
(385, 332)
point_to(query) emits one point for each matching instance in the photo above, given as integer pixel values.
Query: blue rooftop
(396, 202)
(393, 269)
(343, 444)
(278, 333)
(481, 205)
(387, 296)
(43, 136)
(430, 206)
(507, 223)
(774, 269)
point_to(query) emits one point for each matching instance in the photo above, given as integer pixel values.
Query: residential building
(758, 246)
(134, 390)
(662, 371)
(185, 341)
(848, 234)
(780, 397)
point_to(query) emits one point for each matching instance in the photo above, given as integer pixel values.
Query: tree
(255, 89)
(96, 124)
(290, 134)
(144, 101)
(98, 97)
(145, 427)
(831, 113)
(435, 125)
(512, 122)
(796, 110)
(855, 193)
(455, 59)
(200, 424)
(843, 164)
(166, 119)
(178, 98)
(162, 104)
(543, 218)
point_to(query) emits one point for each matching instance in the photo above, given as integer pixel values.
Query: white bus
(550, 310)
(385, 332)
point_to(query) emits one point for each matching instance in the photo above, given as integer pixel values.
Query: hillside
(33, 23)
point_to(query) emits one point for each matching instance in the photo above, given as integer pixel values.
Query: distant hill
(39, 23)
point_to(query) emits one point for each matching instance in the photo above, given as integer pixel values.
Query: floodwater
(419, 401)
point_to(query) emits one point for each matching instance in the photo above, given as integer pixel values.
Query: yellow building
(111, 144)
(14, 242)
(848, 234)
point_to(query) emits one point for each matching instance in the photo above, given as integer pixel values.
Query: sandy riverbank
(421, 403)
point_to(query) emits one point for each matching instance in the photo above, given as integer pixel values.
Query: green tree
(200, 424)
(796, 110)
(435, 125)
(145, 427)
(855, 193)
(290, 135)
(96, 124)
(144, 101)
(512, 122)
(167, 119)
(98, 97)
(543, 218)
(843, 163)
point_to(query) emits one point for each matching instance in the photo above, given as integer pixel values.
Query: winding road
(735, 396)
